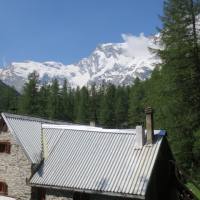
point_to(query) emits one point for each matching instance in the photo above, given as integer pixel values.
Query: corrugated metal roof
(97, 160)
(27, 131)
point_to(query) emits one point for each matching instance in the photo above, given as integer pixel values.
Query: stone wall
(15, 169)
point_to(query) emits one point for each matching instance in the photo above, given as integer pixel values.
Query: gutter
(88, 191)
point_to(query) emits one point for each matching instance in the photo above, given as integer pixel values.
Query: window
(4, 147)
(3, 188)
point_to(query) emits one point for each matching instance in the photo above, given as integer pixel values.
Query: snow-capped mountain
(118, 63)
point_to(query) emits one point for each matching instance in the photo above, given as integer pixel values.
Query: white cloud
(137, 46)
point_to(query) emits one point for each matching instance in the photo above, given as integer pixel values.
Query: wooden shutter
(5, 147)
(3, 188)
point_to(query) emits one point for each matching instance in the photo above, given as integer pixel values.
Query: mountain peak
(117, 63)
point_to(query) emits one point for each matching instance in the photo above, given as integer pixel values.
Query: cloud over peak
(137, 46)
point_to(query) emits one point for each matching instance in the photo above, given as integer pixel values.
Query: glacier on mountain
(117, 63)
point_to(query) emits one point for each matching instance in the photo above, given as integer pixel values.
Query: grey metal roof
(27, 132)
(97, 160)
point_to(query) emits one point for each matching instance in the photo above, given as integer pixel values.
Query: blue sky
(68, 30)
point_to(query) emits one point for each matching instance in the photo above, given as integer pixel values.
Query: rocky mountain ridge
(117, 63)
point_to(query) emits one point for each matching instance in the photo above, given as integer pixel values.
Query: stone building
(102, 163)
(41, 159)
(20, 153)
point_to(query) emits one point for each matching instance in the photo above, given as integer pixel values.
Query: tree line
(106, 105)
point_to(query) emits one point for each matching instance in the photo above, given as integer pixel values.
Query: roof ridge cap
(87, 128)
(32, 118)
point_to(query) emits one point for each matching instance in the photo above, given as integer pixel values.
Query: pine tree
(8, 98)
(93, 103)
(136, 104)
(65, 102)
(71, 100)
(101, 91)
(54, 101)
(83, 107)
(121, 107)
(43, 96)
(180, 73)
(155, 90)
(107, 108)
(76, 104)
(29, 100)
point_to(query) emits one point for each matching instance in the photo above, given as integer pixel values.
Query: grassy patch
(193, 189)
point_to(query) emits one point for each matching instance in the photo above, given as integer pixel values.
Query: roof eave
(124, 195)
(17, 139)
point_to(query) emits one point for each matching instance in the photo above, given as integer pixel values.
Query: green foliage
(193, 189)
(66, 112)
(76, 103)
(136, 104)
(100, 93)
(180, 72)
(29, 99)
(107, 107)
(121, 107)
(93, 103)
(71, 106)
(83, 115)
(8, 98)
(54, 99)
(196, 148)
(43, 95)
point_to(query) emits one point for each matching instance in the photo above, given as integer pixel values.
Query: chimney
(92, 123)
(44, 145)
(140, 137)
(149, 125)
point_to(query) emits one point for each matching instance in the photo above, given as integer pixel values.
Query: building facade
(20, 154)
(46, 160)
(15, 168)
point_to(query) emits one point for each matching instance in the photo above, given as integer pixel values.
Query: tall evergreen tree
(136, 104)
(107, 111)
(29, 100)
(93, 103)
(76, 103)
(65, 104)
(43, 96)
(8, 98)
(84, 107)
(54, 101)
(121, 107)
(180, 71)
(71, 104)
(155, 90)
(101, 91)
